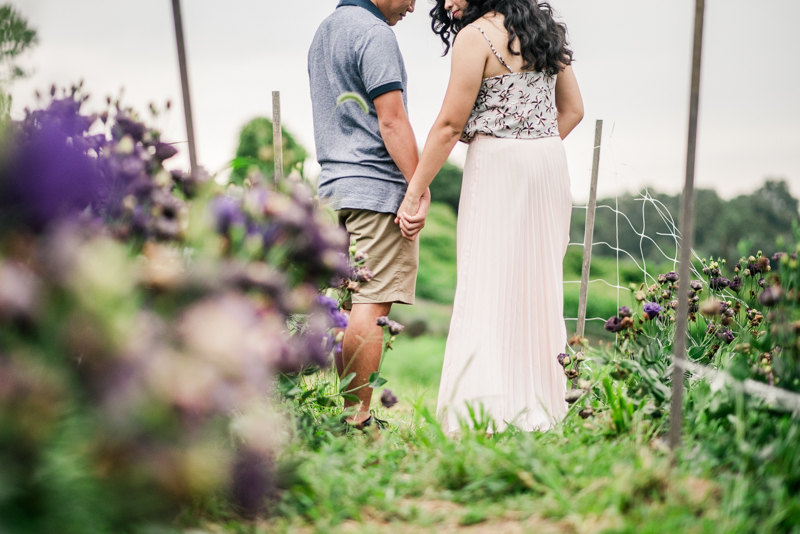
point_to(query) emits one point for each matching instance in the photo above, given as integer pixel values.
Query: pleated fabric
(508, 325)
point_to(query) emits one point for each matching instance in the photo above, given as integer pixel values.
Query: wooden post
(589, 231)
(687, 238)
(187, 102)
(588, 236)
(277, 136)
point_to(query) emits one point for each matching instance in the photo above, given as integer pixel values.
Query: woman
(513, 97)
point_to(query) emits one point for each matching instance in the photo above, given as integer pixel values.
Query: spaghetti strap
(497, 55)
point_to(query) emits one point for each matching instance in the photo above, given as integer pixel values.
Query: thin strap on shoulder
(497, 55)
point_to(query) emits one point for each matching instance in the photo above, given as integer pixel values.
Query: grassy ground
(584, 476)
(578, 478)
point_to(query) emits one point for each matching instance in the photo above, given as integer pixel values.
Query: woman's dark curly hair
(542, 40)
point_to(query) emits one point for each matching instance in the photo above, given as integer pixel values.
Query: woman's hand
(412, 213)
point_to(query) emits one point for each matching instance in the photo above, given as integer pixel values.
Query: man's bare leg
(361, 354)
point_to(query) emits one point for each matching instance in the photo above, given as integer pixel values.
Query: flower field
(166, 350)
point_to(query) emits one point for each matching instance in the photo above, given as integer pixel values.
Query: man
(366, 162)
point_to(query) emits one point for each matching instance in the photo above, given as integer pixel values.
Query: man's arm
(396, 132)
(398, 136)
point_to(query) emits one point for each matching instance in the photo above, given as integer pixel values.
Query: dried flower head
(388, 399)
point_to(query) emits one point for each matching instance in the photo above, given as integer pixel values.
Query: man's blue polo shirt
(355, 51)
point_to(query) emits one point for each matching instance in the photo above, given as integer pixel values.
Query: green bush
(437, 256)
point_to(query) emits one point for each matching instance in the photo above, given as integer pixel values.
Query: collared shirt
(355, 51)
(366, 4)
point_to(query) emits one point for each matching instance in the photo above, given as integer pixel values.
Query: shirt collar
(366, 4)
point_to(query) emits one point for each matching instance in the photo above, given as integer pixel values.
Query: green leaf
(293, 392)
(344, 97)
(350, 397)
(344, 382)
(325, 402)
(376, 381)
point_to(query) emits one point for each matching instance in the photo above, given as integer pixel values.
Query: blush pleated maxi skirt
(507, 327)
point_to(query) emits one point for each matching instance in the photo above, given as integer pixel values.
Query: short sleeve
(380, 62)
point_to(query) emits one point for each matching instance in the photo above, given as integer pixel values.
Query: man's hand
(412, 213)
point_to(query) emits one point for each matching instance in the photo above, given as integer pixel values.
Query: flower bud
(573, 395)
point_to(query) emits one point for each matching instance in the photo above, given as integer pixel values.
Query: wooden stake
(589, 231)
(687, 237)
(187, 102)
(277, 136)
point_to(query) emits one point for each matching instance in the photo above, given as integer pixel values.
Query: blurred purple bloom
(126, 126)
(383, 321)
(388, 399)
(253, 481)
(672, 276)
(47, 180)
(625, 312)
(652, 309)
(164, 151)
(771, 295)
(563, 359)
(227, 212)
(697, 285)
(331, 307)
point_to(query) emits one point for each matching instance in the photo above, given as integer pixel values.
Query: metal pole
(588, 236)
(277, 136)
(187, 102)
(687, 238)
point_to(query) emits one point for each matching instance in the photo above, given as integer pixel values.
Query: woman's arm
(466, 76)
(568, 102)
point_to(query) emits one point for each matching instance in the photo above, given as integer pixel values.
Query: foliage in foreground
(143, 315)
(607, 466)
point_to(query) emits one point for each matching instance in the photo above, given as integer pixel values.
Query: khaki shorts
(393, 259)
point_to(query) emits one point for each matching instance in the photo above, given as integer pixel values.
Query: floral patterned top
(515, 105)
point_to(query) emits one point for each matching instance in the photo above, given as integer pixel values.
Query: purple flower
(771, 296)
(652, 309)
(395, 328)
(126, 126)
(164, 151)
(383, 321)
(625, 312)
(47, 179)
(725, 335)
(363, 275)
(331, 307)
(697, 285)
(736, 283)
(227, 212)
(388, 399)
(253, 481)
(719, 283)
(563, 359)
(614, 325)
(672, 276)
(777, 256)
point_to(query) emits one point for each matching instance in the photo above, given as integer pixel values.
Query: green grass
(584, 476)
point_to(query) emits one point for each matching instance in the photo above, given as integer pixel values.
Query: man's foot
(366, 423)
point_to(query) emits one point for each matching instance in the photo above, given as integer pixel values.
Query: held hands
(412, 213)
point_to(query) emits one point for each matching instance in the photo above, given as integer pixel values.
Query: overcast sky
(632, 62)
